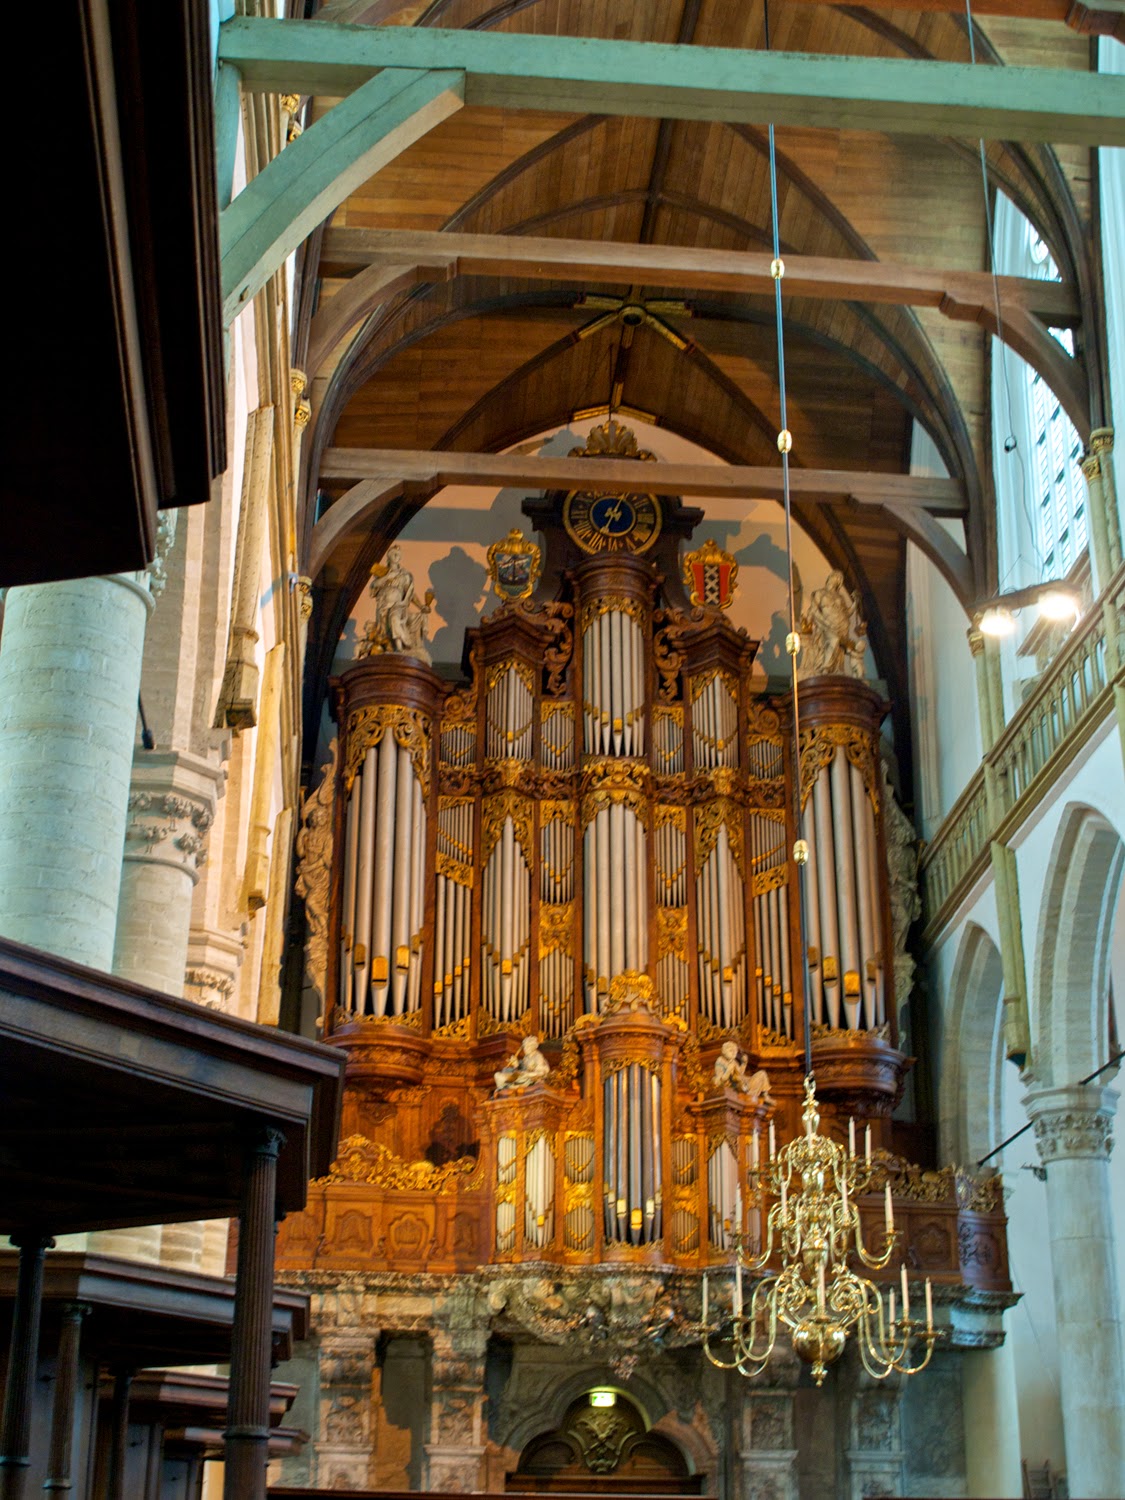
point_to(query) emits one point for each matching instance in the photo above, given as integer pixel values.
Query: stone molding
(211, 977)
(1072, 1123)
(171, 808)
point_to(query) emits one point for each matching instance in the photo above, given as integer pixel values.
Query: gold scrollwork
(763, 723)
(454, 869)
(707, 1030)
(367, 726)
(457, 1031)
(630, 990)
(615, 604)
(522, 670)
(497, 810)
(709, 818)
(619, 1064)
(556, 927)
(612, 781)
(578, 1195)
(671, 931)
(361, 1160)
(677, 816)
(818, 749)
(771, 880)
(701, 681)
(668, 651)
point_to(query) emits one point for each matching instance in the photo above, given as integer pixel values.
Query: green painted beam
(582, 75)
(315, 173)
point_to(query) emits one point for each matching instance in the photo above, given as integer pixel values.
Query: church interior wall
(366, 1377)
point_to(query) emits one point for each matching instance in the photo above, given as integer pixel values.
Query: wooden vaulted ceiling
(479, 363)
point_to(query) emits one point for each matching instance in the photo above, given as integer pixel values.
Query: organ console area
(560, 886)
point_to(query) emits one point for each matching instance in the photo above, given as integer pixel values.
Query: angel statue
(528, 1065)
(833, 637)
(731, 1072)
(400, 616)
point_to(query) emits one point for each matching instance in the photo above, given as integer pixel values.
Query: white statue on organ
(730, 1073)
(833, 637)
(400, 616)
(528, 1065)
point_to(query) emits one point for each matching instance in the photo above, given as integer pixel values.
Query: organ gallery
(555, 922)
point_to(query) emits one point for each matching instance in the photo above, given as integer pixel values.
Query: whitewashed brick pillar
(171, 807)
(1074, 1133)
(70, 672)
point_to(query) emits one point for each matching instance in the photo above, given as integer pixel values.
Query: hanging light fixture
(813, 1223)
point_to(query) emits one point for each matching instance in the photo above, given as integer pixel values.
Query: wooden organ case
(588, 843)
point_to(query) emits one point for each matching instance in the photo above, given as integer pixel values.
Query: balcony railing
(1072, 697)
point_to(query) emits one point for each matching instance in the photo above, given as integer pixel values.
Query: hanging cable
(792, 640)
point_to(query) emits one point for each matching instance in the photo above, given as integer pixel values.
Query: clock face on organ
(611, 523)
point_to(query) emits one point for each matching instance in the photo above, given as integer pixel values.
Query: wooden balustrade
(1069, 701)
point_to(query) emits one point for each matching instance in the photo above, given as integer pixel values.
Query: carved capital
(169, 828)
(1072, 1122)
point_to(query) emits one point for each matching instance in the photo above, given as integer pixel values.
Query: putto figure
(730, 1073)
(528, 1065)
(833, 636)
(400, 616)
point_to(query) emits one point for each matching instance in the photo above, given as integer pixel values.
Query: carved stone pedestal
(456, 1450)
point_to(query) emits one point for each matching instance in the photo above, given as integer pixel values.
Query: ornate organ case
(588, 842)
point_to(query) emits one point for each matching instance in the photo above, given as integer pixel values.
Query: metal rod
(1089, 1078)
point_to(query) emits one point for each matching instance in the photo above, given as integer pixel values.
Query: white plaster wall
(1095, 780)
(445, 546)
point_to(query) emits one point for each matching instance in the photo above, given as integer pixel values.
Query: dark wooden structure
(118, 407)
(125, 1107)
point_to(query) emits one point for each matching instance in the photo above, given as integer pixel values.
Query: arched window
(1040, 491)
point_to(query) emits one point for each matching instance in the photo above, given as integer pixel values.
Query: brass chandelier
(814, 1220)
(816, 1295)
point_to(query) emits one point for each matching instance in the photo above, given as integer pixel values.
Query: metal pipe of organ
(505, 919)
(451, 911)
(384, 885)
(631, 1166)
(613, 684)
(722, 1196)
(826, 879)
(539, 1193)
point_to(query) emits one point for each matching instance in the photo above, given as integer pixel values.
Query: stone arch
(1073, 947)
(973, 1051)
(620, 1440)
(553, 1403)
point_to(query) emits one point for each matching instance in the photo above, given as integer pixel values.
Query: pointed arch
(1074, 947)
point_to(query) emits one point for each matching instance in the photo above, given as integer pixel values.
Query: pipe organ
(588, 842)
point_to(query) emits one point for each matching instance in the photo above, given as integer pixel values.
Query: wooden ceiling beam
(377, 476)
(441, 254)
(383, 262)
(1104, 19)
(579, 75)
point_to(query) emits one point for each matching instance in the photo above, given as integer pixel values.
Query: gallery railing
(1072, 698)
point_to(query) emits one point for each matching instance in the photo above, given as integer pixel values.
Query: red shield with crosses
(709, 576)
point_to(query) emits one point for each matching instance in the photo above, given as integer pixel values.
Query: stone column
(23, 1357)
(767, 1453)
(992, 1423)
(1073, 1130)
(59, 1480)
(874, 1452)
(248, 1411)
(70, 672)
(171, 807)
(455, 1452)
(347, 1414)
